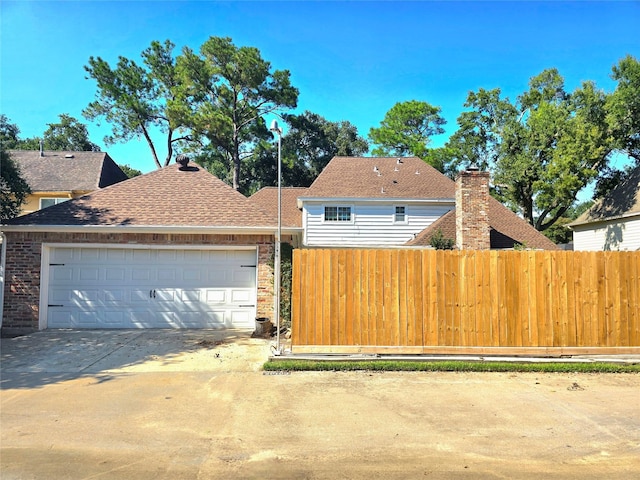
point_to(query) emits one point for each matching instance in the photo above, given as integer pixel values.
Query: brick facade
(472, 210)
(23, 263)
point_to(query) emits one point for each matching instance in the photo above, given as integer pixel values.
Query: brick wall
(22, 274)
(472, 210)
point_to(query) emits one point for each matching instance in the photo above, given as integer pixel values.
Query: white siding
(372, 223)
(621, 234)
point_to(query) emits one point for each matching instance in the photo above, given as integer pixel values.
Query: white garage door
(150, 288)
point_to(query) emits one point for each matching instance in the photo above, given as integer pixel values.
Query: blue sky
(350, 60)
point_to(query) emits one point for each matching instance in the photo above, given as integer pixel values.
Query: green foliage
(292, 365)
(407, 130)
(68, 134)
(224, 94)
(439, 242)
(286, 276)
(543, 149)
(623, 107)
(135, 99)
(13, 188)
(129, 171)
(8, 134)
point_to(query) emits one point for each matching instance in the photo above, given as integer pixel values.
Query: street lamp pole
(276, 282)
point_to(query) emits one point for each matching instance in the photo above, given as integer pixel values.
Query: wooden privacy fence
(481, 302)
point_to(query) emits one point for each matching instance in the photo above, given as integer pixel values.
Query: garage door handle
(246, 306)
(152, 294)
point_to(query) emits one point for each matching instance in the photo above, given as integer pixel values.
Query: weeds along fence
(411, 301)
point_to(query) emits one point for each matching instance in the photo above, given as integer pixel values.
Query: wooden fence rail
(483, 302)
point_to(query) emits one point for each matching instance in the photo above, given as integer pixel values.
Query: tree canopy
(225, 93)
(543, 149)
(13, 188)
(68, 134)
(135, 99)
(407, 129)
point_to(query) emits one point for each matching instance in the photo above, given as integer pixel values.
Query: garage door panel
(151, 288)
(241, 318)
(240, 296)
(214, 296)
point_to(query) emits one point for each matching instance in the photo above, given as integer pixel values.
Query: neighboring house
(175, 248)
(267, 200)
(613, 223)
(55, 176)
(373, 202)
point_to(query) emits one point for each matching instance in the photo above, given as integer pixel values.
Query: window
(400, 215)
(337, 214)
(47, 202)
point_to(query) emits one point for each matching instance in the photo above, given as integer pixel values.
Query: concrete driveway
(194, 404)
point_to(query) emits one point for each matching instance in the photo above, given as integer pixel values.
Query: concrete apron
(95, 351)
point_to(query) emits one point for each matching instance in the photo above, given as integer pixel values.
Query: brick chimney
(472, 210)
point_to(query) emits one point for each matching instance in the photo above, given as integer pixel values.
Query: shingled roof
(166, 197)
(57, 171)
(622, 201)
(506, 230)
(267, 200)
(381, 177)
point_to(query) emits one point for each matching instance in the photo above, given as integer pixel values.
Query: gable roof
(67, 171)
(506, 229)
(169, 197)
(622, 201)
(380, 178)
(267, 200)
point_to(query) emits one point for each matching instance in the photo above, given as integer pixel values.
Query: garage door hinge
(56, 264)
(55, 305)
(241, 306)
(249, 266)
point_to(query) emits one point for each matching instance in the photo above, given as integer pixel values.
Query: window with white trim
(48, 202)
(400, 215)
(337, 214)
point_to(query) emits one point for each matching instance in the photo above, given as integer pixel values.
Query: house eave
(624, 216)
(402, 200)
(219, 230)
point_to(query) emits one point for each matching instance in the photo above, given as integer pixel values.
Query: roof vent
(382, 190)
(41, 148)
(375, 169)
(417, 172)
(183, 160)
(69, 155)
(473, 168)
(399, 161)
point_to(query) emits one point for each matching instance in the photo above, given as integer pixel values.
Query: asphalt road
(208, 412)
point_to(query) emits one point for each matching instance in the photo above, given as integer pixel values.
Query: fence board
(412, 301)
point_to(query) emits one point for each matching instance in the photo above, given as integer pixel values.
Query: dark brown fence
(481, 302)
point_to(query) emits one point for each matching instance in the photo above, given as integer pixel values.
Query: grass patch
(448, 366)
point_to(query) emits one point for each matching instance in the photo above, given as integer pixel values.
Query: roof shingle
(623, 200)
(382, 177)
(165, 197)
(507, 229)
(67, 171)
(267, 200)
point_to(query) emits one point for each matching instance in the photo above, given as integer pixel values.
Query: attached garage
(148, 287)
(175, 248)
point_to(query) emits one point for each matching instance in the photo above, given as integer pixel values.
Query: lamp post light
(276, 283)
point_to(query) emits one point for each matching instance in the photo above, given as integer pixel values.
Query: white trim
(352, 214)
(149, 229)
(62, 199)
(348, 200)
(406, 214)
(46, 253)
(589, 223)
